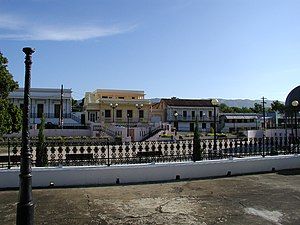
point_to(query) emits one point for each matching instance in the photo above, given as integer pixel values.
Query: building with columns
(47, 101)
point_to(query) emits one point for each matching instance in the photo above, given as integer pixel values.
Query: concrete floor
(267, 199)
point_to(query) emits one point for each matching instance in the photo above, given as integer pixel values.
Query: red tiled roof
(155, 105)
(188, 102)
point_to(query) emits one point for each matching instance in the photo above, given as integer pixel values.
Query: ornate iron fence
(105, 153)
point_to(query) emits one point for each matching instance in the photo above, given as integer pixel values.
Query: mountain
(234, 102)
(244, 102)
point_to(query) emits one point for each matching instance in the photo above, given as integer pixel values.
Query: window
(120, 97)
(56, 111)
(40, 110)
(141, 113)
(129, 113)
(107, 113)
(104, 96)
(133, 97)
(92, 116)
(209, 113)
(193, 114)
(119, 113)
(184, 113)
(201, 113)
(203, 125)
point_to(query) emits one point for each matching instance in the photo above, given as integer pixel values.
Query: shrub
(41, 150)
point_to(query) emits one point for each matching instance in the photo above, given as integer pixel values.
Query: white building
(233, 122)
(183, 113)
(47, 101)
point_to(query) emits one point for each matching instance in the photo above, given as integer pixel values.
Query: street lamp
(128, 125)
(295, 104)
(176, 122)
(61, 107)
(203, 119)
(25, 206)
(113, 106)
(215, 103)
(139, 106)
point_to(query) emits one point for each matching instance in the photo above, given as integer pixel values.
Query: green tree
(197, 152)
(258, 108)
(227, 109)
(41, 150)
(10, 115)
(277, 106)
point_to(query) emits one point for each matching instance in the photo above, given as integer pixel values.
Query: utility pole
(61, 107)
(264, 111)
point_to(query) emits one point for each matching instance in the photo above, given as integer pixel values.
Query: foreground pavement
(272, 198)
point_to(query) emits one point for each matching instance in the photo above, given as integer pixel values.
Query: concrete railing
(100, 175)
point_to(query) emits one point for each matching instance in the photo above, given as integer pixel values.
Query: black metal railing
(97, 152)
(53, 116)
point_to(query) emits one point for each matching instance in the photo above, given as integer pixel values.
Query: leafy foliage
(197, 152)
(227, 109)
(258, 108)
(77, 106)
(277, 106)
(41, 150)
(10, 115)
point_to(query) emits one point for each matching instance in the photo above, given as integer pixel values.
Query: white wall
(99, 175)
(56, 132)
(268, 133)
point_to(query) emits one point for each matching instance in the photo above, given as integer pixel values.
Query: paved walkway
(157, 137)
(254, 199)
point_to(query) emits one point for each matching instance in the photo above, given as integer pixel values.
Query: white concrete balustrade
(101, 175)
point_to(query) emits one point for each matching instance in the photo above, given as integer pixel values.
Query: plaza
(269, 199)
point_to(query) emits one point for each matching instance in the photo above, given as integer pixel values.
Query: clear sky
(183, 48)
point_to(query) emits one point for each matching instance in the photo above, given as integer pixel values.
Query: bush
(118, 140)
(41, 150)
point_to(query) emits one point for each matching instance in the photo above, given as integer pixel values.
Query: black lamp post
(295, 104)
(203, 119)
(128, 125)
(25, 206)
(61, 118)
(139, 107)
(215, 102)
(113, 106)
(176, 122)
(264, 125)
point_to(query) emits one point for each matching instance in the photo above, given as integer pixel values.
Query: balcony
(53, 116)
(181, 118)
(50, 115)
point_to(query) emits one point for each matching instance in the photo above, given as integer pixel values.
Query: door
(192, 127)
(56, 111)
(40, 110)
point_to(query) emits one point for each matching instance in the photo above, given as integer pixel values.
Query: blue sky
(183, 48)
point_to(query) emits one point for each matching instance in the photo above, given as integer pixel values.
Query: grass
(166, 135)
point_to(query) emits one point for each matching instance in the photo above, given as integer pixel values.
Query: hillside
(234, 102)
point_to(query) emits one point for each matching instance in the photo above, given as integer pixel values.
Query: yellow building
(116, 106)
